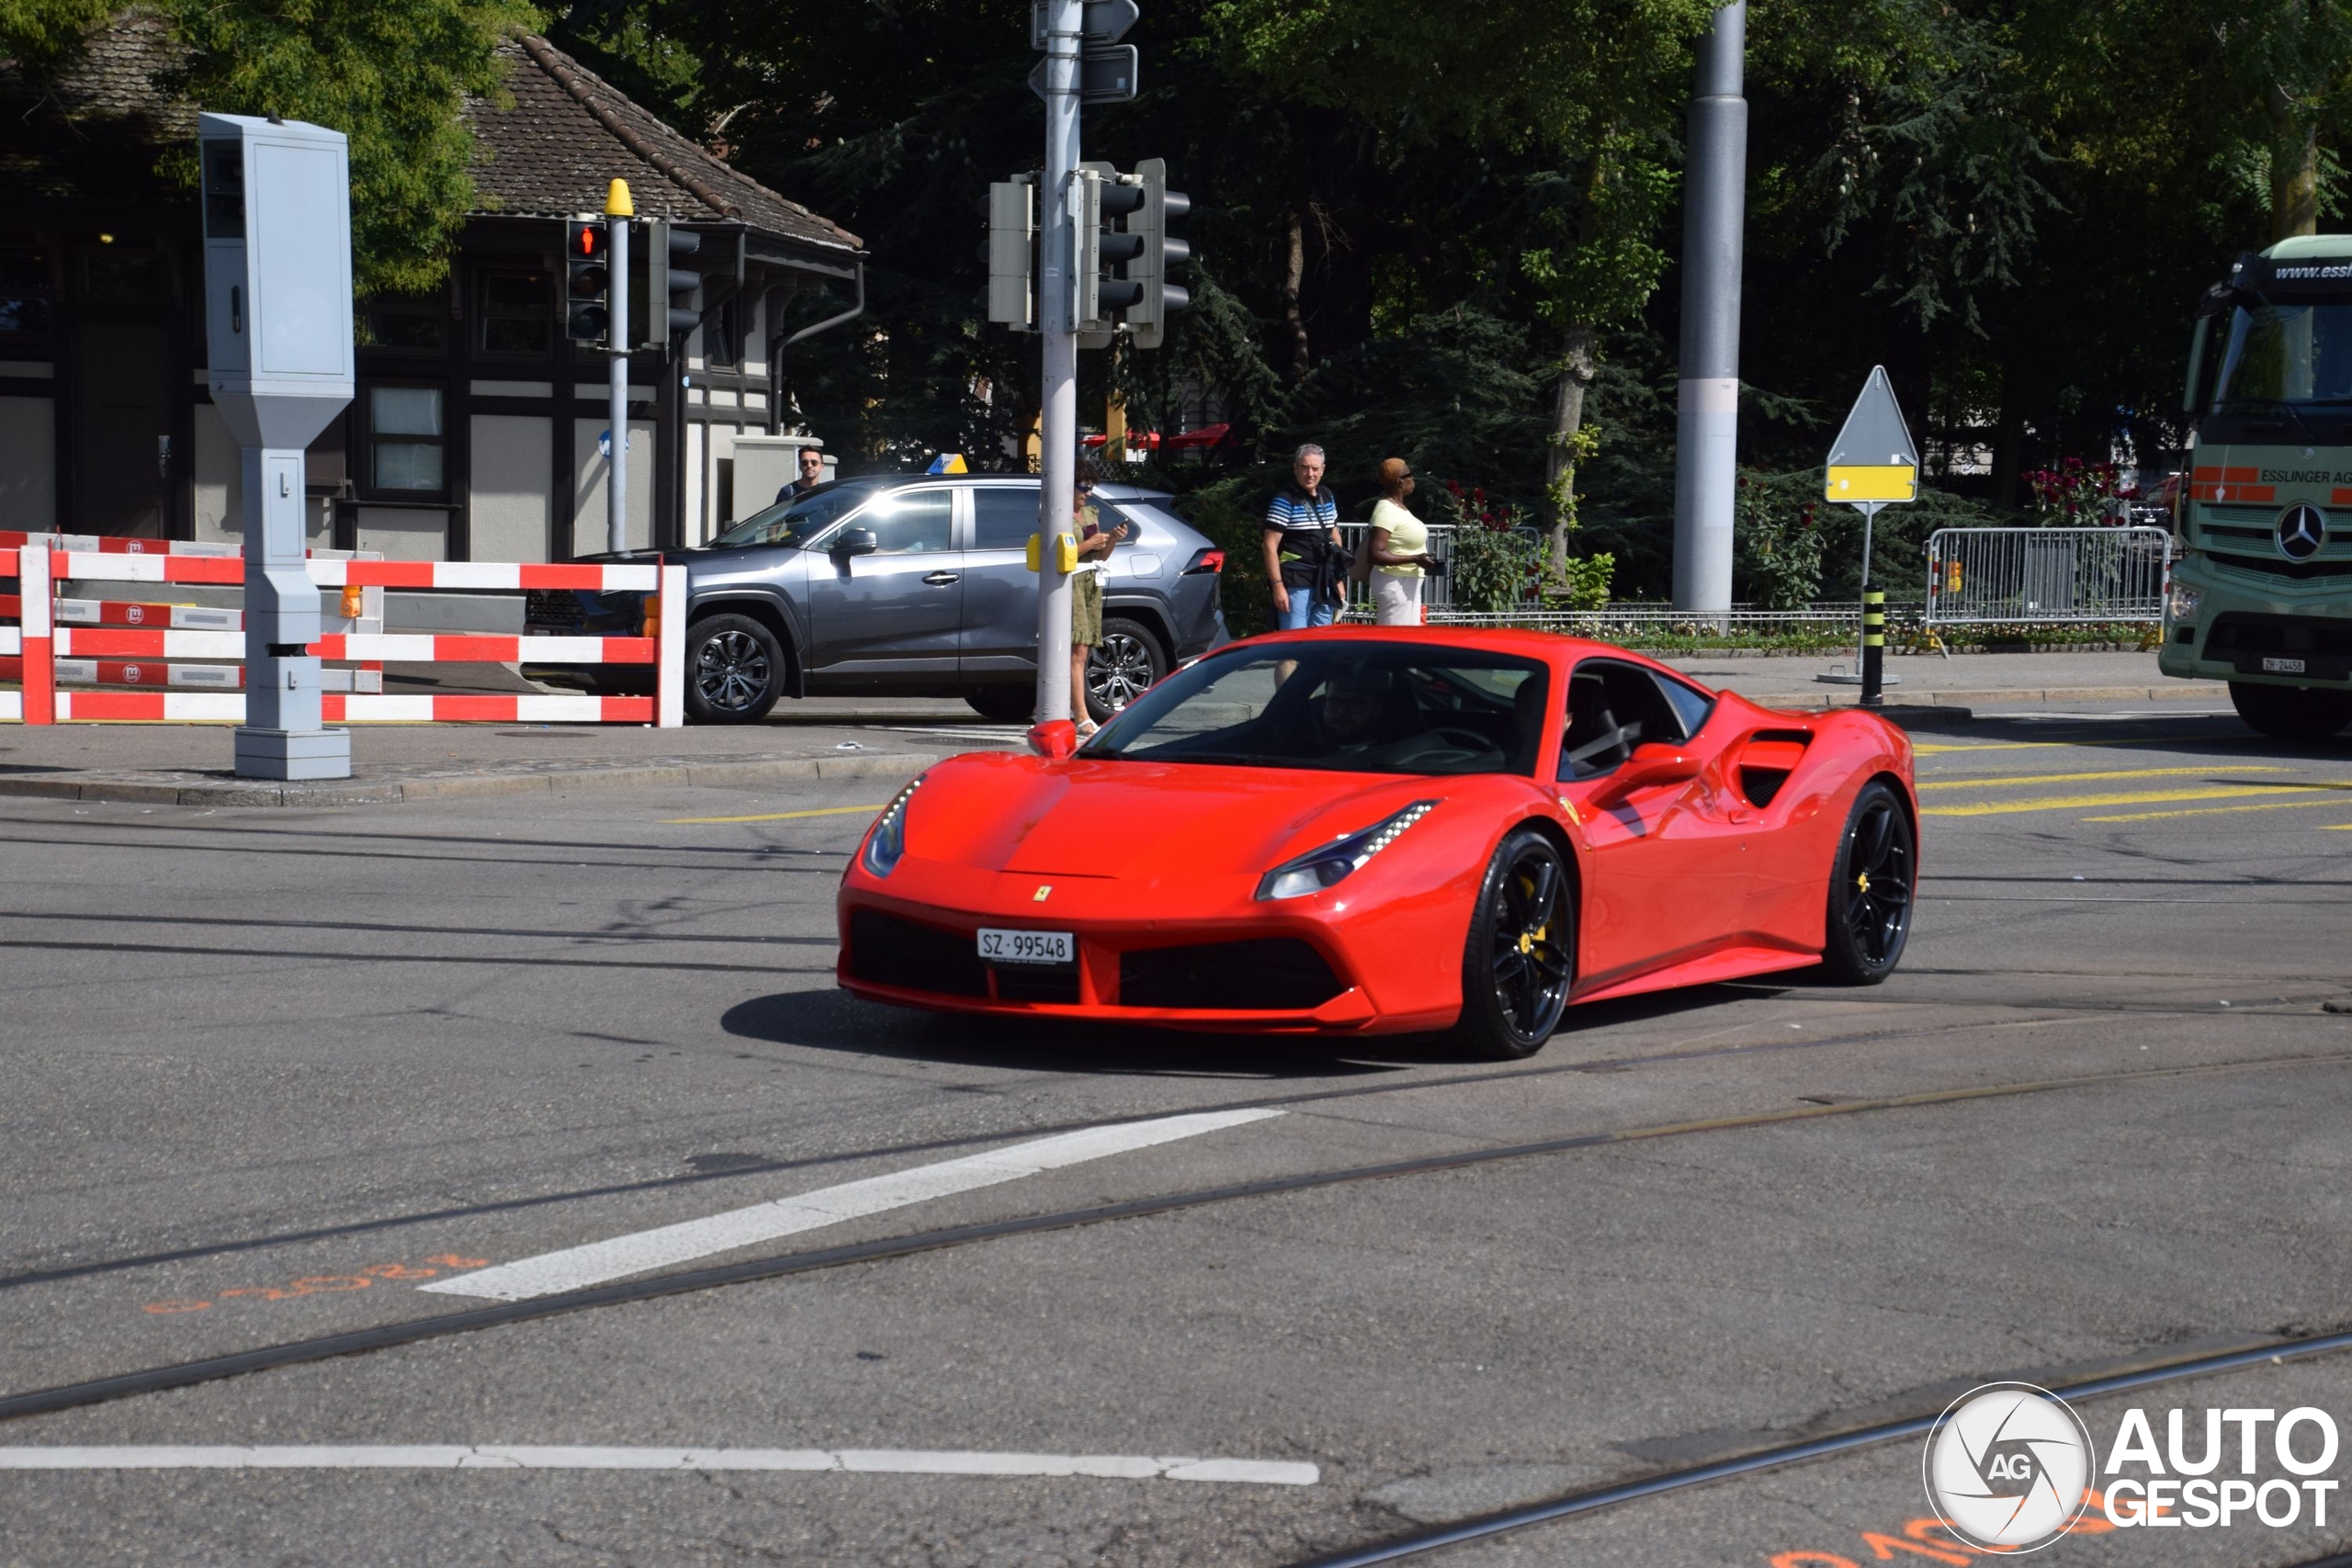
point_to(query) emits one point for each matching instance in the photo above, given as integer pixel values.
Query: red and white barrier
(104, 638)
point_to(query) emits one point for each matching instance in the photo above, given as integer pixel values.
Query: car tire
(1006, 704)
(734, 669)
(2305, 714)
(1127, 662)
(1520, 956)
(1870, 885)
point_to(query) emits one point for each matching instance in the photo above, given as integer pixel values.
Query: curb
(2183, 692)
(669, 773)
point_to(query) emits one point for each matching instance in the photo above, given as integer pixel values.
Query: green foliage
(392, 74)
(1493, 566)
(1584, 582)
(1777, 538)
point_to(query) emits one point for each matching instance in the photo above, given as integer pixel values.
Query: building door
(123, 428)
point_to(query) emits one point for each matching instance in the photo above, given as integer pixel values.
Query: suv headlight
(886, 844)
(1334, 863)
(2182, 603)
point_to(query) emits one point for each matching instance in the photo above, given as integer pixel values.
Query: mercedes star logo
(2302, 527)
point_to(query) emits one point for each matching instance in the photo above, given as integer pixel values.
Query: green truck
(2262, 594)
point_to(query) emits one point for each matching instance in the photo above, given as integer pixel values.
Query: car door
(894, 614)
(1000, 632)
(1669, 882)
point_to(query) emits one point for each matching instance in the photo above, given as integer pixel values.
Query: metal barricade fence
(2027, 576)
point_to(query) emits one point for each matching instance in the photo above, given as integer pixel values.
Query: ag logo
(2008, 1467)
(2302, 528)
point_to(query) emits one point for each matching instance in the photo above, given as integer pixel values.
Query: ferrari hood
(1136, 820)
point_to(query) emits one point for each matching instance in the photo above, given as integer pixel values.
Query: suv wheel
(1124, 665)
(734, 669)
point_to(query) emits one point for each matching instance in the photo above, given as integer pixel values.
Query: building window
(517, 313)
(24, 293)
(124, 274)
(404, 439)
(722, 340)
(414, 324)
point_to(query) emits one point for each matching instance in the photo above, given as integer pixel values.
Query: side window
(1689, 705)
(912, 521)
(1003, 517)
(1612, 708)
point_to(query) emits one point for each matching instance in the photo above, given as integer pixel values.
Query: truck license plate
(1028, 947)
(2282, 666)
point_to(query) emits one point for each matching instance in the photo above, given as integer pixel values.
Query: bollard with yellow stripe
(1873, 647)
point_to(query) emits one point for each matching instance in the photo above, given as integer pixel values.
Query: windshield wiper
(2283, 406)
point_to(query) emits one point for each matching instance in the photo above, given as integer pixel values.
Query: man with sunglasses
(812, 474)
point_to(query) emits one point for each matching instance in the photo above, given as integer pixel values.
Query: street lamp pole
(1058, 443)
(1706, 463)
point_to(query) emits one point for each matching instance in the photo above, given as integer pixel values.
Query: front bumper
(2258, 631)
(1246, 968)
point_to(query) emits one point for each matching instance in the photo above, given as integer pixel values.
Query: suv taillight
(1206, 560)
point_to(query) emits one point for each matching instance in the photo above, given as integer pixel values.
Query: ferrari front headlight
(1341, 858)
(887, 842)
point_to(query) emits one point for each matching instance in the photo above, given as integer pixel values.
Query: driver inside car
(1348, 718)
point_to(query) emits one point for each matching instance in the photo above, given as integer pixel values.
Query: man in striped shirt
(1302, 550)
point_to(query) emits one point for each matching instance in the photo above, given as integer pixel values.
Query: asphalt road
(271, 1073)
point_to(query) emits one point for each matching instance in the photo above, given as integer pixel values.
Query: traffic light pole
(618, 209)
(1706, 463)
(1058, 456)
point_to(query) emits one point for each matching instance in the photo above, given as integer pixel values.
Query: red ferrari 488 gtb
(1378, 829)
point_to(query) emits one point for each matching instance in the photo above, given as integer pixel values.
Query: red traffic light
(584, 240)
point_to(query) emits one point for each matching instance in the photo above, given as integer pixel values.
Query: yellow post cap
(617, 201)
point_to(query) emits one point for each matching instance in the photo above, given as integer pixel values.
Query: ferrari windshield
(1342, 704)
(2292, 351)
(794, 523)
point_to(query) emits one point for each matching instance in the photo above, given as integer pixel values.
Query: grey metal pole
(1706, 463)
(1057, 436)
(618, 211)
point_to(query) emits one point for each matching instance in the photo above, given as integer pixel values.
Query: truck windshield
(794, 523)
(2292, 352)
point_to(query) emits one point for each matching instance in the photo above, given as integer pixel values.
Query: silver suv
(918, 586)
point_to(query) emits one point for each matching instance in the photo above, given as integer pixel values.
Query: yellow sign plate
(1876, 481)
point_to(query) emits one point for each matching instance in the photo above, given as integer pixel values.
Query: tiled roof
(96, 130)
(93, 130)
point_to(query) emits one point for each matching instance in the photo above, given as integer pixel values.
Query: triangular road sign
(1873, 461)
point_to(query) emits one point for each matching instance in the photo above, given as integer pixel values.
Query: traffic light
(588, 282)
(1101, 200)
(1156, 251)
(1012, 252)
(671, 288)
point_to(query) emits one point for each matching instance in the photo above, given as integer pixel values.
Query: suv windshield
(1348, 706)
(794, 523)
(2290, 353)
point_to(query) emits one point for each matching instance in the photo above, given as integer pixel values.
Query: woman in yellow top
(1400, 543)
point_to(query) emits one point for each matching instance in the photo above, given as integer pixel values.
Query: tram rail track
(219, 1368)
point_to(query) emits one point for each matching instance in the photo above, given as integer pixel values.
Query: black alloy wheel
(1127, 663)
(734, 669)
(1520, 956)
(2303, 715)
(1869, 889)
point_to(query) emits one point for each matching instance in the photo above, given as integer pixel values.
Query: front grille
(1278, 974)
(1036, 983)
(887, 951)
(553, 607)
(2299, 571)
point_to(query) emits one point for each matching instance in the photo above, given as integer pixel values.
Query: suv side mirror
(856, 542)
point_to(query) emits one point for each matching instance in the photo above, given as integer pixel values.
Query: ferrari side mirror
(1655, 764)
(1056, 739)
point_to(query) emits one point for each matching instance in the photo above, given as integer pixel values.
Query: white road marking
(640, 1252)
(872, 1461)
